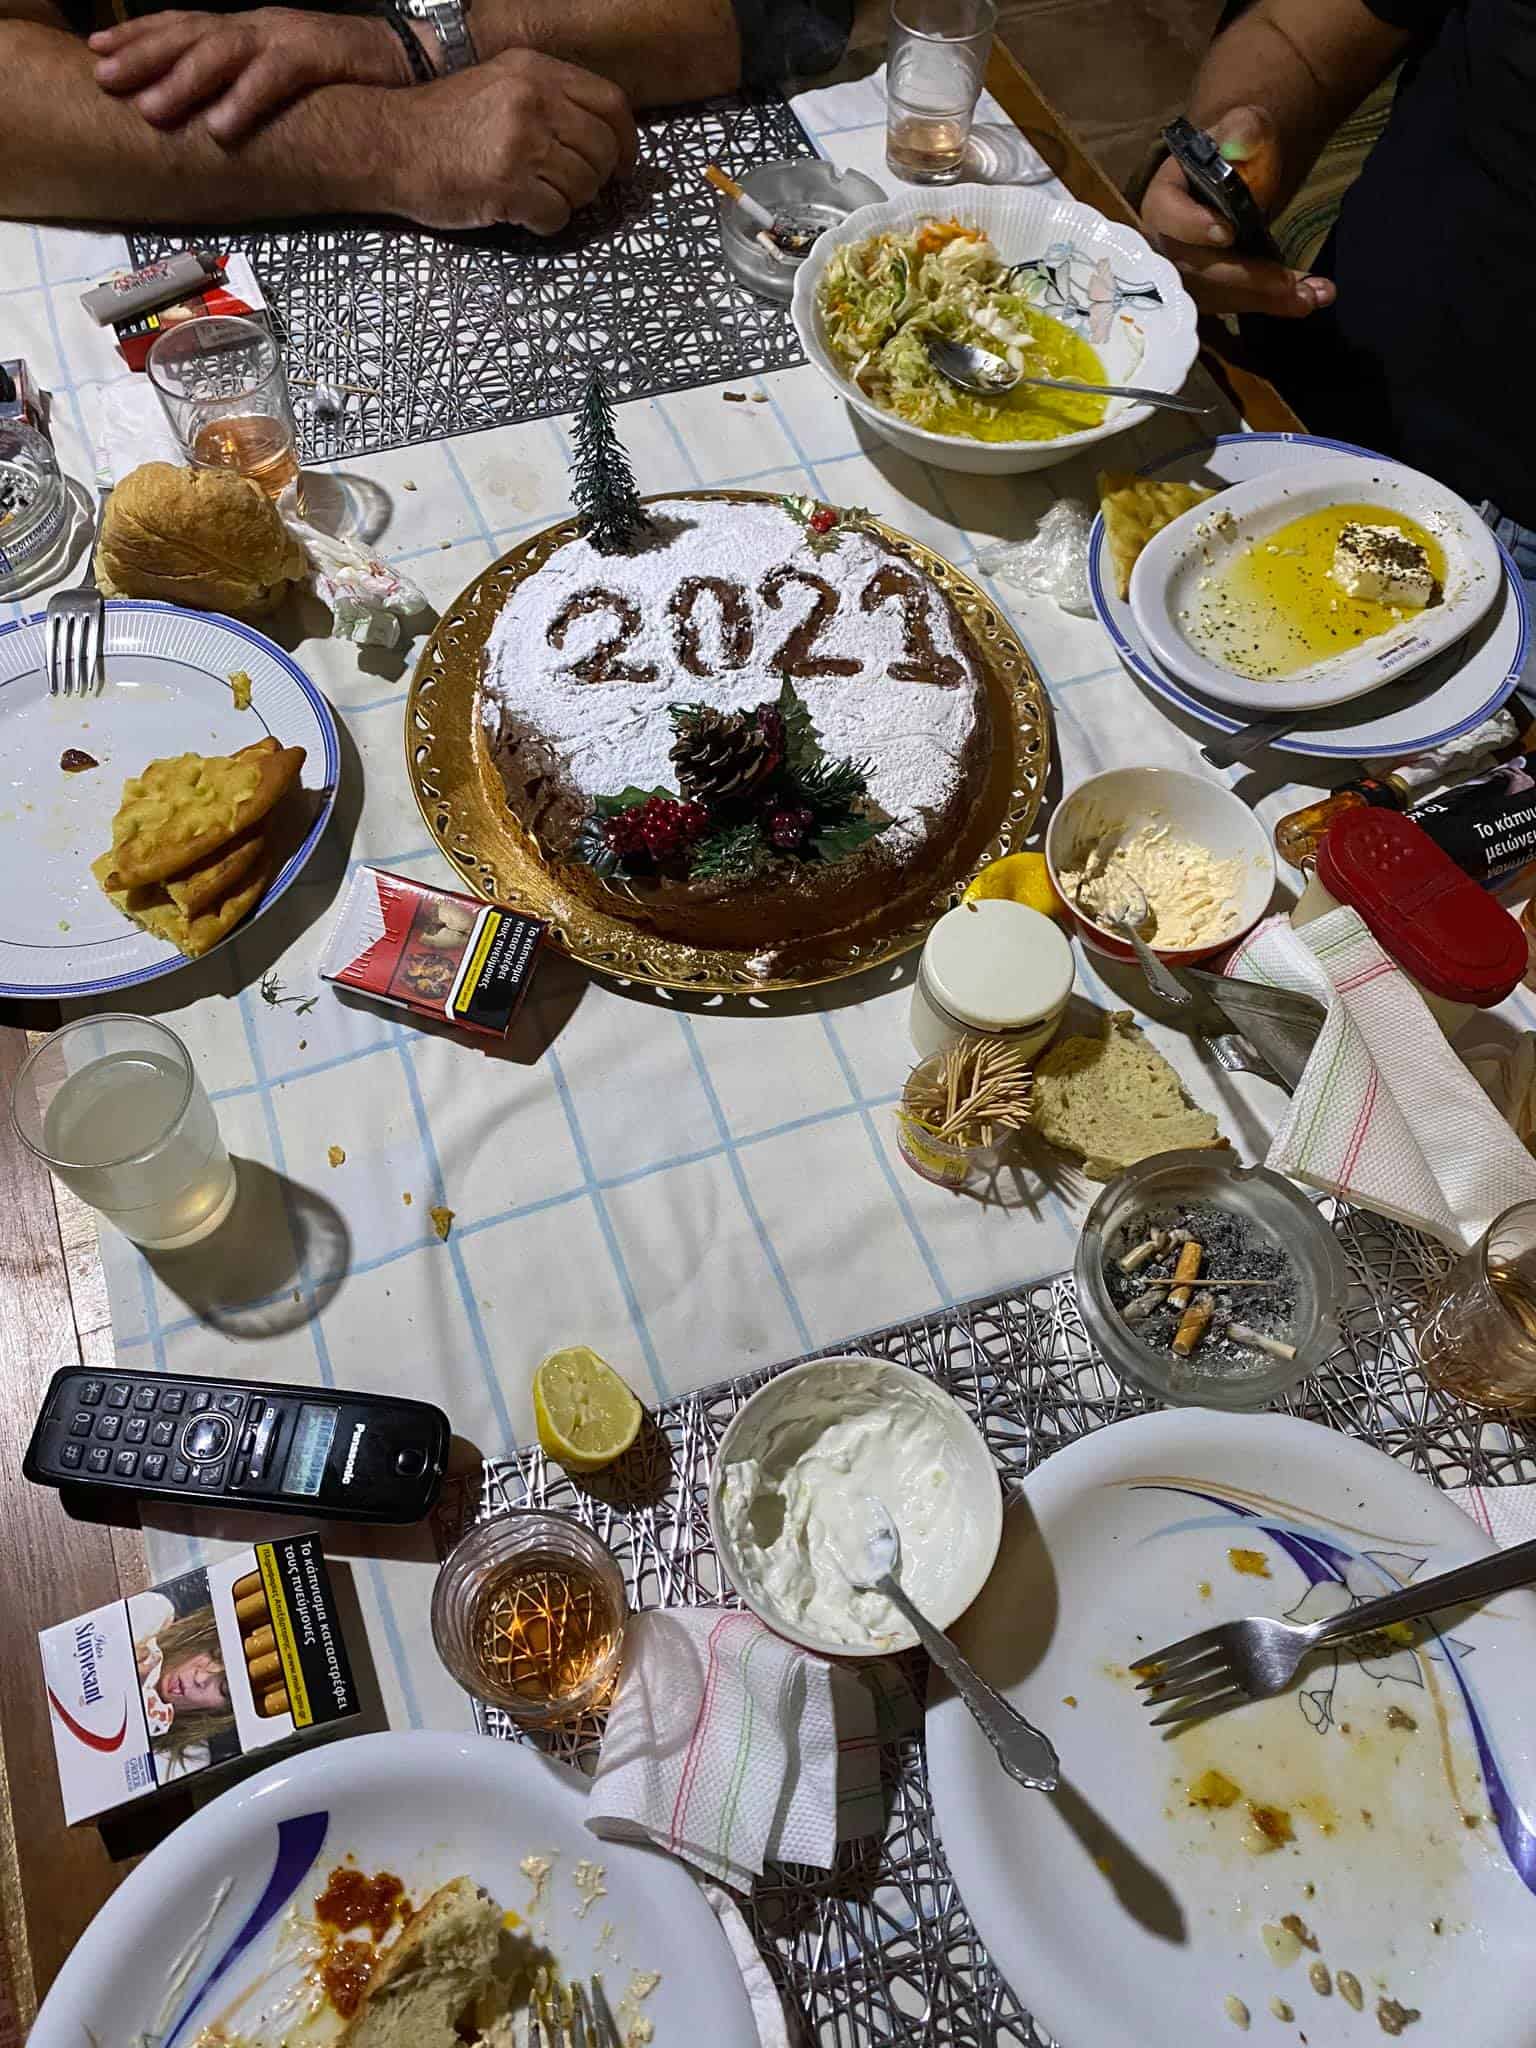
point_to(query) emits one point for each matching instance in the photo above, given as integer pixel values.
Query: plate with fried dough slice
(415, 1889)
(144, 826)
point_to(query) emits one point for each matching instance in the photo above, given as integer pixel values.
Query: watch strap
(390, 11)
(450, 24)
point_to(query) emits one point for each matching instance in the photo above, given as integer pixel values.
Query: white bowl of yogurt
(788, 1502)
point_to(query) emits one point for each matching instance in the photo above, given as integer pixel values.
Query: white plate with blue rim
(1397, 1793)
(167, 691)
(197, 1930)
(1450, 694)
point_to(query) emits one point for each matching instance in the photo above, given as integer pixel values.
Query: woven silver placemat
(445, 334)
(881, 1948)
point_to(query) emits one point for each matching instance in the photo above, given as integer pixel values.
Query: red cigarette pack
(433, 951)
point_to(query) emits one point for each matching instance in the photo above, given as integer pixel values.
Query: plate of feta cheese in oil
(1314, 585)
(1282, 575)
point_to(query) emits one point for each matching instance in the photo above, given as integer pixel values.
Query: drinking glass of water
(935, 63)
(221, 382)
(114, 1108)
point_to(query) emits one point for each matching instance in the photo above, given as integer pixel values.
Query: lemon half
(585, 1415)
(1019, 878)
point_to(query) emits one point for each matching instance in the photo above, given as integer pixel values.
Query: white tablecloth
(693, 1189)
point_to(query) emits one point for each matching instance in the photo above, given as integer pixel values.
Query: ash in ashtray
(18, 487)
(1165, 1270)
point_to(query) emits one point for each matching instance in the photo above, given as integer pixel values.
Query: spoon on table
(1237, 1053)
(1024, 1753)
(986, 375)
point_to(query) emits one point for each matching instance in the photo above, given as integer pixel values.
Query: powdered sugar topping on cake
(611, 733)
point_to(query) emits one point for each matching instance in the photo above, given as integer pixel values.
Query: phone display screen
(312, 1437)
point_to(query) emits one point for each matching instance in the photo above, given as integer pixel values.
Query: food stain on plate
(1308, 591)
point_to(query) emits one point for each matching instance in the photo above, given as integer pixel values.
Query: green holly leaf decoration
(802, 742)
(836, 842)
(736, 854)
(610, 806)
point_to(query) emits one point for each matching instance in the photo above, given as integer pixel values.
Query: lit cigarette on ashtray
(782, 238)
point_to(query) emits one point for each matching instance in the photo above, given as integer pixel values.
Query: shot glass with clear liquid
(221, 382)
(113, 1106)
(1477, 1337)
(936, 60)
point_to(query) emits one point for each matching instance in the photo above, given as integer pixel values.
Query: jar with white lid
(992, 968)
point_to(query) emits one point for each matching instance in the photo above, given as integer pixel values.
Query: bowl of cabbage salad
(1054, 288)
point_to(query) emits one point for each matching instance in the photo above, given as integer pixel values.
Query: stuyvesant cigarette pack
(243, 1657)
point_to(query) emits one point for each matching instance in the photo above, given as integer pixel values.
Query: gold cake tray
(462, 799)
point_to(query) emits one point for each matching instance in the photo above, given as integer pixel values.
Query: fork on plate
(570, 2019)
(1255, 1659)
(74, 635)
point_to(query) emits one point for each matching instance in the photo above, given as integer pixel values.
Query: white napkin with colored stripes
(733, 1749)
(1505, 1514)
(1385, 1115)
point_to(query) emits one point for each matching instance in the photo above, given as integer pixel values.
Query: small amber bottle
(1299, 833)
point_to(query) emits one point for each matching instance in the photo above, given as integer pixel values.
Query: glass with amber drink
(221, 382)
(1477, 1338)
(528, 1614)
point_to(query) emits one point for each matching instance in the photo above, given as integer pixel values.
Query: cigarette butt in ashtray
(264, 1671)
(252, 1610)
(260, 1642)
(274, 1702)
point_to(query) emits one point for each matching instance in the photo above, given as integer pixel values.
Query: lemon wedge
(585, 1415)
(1020, 878)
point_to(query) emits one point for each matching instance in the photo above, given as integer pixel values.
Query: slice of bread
(439, 1966)
(1114, 1100)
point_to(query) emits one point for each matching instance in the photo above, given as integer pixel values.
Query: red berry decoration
(788, 825)
(822, 520)
(769, 721)
(657, 830)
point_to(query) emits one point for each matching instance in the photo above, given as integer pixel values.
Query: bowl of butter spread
(789, 1502)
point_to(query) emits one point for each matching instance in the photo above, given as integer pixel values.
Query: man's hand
(522, 140)
(241, 69)
(1199, 241)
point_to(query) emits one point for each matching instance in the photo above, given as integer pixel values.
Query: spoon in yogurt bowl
(1024, 1753)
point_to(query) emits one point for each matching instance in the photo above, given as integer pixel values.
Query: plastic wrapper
(1053, 562)
(368, 598)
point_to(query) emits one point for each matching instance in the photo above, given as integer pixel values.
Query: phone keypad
(121, 1427)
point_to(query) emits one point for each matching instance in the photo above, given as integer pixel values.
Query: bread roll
(209, 538)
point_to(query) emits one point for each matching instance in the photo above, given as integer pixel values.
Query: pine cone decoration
(724, 757)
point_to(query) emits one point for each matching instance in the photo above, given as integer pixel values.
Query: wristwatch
(448, 21)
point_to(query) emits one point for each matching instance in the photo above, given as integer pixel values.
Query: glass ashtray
(1264, 1210)
(34, 507)
(804, 190)
(528, 1614)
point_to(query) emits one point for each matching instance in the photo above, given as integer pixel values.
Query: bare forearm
(660, 52)
(1306, 63)
(69, 152)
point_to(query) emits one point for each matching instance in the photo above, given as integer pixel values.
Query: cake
(755, 722)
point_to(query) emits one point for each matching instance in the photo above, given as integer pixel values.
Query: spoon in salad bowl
(986, 375)
(1024, 1753)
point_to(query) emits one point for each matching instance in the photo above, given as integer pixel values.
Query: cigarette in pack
(258, 1639)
